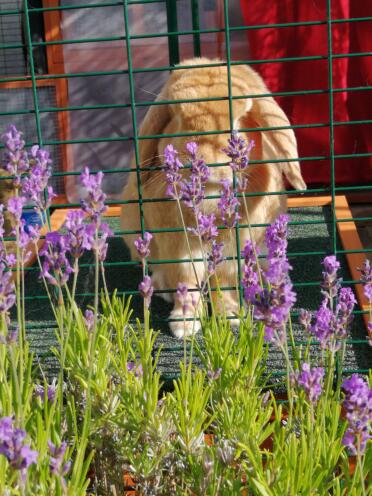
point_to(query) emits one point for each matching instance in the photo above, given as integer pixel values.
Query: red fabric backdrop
(347, 37)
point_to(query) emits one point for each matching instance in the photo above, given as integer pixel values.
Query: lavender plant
(219, 430)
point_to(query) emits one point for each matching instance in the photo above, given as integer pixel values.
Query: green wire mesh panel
(117, 55)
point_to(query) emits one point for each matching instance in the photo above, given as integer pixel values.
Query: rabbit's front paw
(182, 328)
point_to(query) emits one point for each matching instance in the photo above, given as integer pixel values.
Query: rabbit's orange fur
(199, 117)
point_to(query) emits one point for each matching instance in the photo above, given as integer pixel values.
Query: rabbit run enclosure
(79, 76)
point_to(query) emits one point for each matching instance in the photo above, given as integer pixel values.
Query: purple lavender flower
(172, 167)
(366, 278)
(192, 149)
(331, 326)
(100, 244)
(358, 406)
(12, 445)
(193, 190)
(36, 183)
(89, 320)
(185, 298)
(305, 319)
(136, 368)
(93, 205)
(12, 139)
(143, 245)
(272, 307)
(311, 381)
(49, 391)
(276, 237)
(199, 168)
(2, 231)
(15, 155)
(15, 206)
(7, 290)
(55, 260)
(271, 304)
(250, 280)
(215, 256)
(214, 374)
(206, 227)
(238, 151)
(228, 205)
(146, 290)
(330, 283)
(57, 465)
(79, 235)
(11, 338)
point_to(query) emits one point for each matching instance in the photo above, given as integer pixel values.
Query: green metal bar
(196, 27)
(172, 23)
(34, 88)
(147, 69)
(134, 114)
(231, 117)
(191, 100)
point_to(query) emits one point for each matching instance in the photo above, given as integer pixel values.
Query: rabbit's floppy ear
(267, 113)
(154, 123)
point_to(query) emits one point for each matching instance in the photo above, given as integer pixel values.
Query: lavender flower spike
(15, 206)
(271, 304)
(16, 157)
(143, 245)
(330, 284)
(228, 204)
(358, 406)
(215, 257)
(206, 228)
(79, 236)
(193, 190)
(146, 289)
(56, 266)
(94, 205)
(7, 290)
(238, 151)
(311, 381)
(34, 185)
(172, 167)
(12, 445)
(366, 278)
(57, 465)
(51, 390)
(186, 299)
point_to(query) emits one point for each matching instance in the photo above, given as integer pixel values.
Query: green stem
(252, 240)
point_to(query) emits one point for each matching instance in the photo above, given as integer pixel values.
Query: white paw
(234, 322)
(182, 329)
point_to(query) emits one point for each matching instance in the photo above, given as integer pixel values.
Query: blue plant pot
(32, 218)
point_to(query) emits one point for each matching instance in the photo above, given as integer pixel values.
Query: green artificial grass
(303, 237)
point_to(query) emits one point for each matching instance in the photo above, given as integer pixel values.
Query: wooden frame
(55, 64)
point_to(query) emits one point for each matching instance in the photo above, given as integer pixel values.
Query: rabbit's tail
(267, 114)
